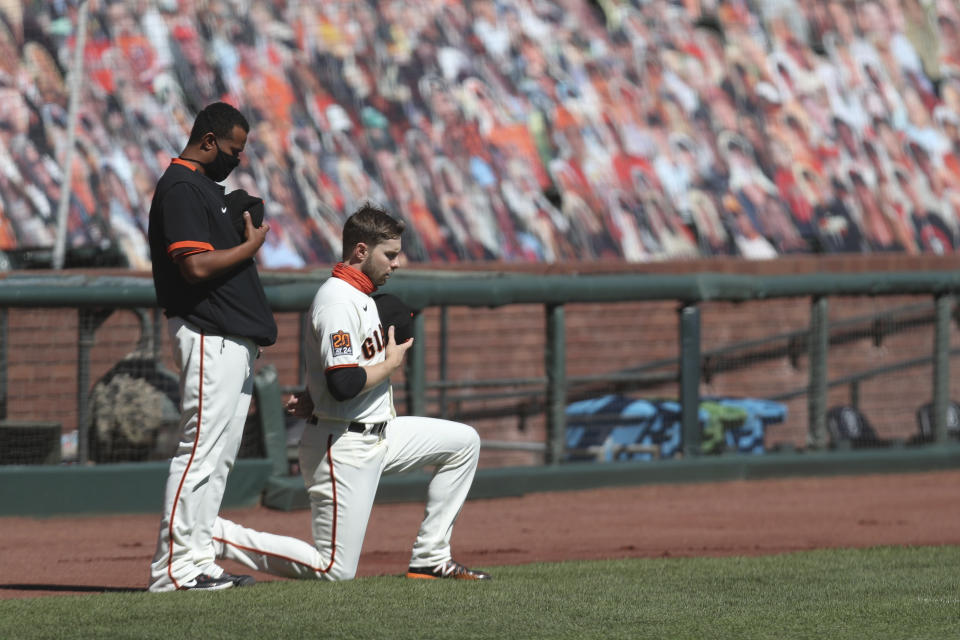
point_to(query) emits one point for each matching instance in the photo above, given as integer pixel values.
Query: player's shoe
(448, 569)
(239, 580)
(203, 582)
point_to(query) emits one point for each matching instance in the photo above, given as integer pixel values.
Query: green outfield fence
(95, 297)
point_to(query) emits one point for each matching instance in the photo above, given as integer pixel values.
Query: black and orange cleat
(203, 582)
(240, 580)
(449, 569)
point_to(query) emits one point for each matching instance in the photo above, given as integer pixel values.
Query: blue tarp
(612, 422)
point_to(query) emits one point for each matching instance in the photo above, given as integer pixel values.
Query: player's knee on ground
(337, 572)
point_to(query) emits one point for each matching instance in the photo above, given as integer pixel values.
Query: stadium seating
(848, 426)
(513, 131)
(924, 432)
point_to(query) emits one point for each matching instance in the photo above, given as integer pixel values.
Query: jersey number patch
(340, 343)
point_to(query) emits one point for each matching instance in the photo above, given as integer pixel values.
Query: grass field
(885, 592)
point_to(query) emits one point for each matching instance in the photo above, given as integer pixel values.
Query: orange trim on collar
(354, 277)
(183, 163)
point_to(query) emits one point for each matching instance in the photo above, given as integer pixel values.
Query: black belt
(361, 427)
(358, 427)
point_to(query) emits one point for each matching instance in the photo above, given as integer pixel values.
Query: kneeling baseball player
(353, 435)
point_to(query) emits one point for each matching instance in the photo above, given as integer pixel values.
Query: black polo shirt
(189, 214)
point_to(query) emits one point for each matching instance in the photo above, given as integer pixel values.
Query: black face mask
(222, 165)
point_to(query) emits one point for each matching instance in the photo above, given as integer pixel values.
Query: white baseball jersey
(346, 333)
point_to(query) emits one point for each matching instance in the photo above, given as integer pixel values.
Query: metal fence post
(817, 389)
(306, 326)
(89, 321)
(556, 365)
(941, 366)
(158, 324)
(75, 88)
(4, 330)
(417, 369)
(690, 379)
(444, 319)
(85, 330)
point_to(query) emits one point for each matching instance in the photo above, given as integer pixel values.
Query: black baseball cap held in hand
(394, 312)
(239, 201)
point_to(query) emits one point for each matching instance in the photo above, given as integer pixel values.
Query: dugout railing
(528, 394)
(96, 297)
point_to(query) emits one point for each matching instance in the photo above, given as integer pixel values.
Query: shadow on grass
(79, 588)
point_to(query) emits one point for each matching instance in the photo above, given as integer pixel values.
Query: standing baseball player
(353, 435)
(218, 318)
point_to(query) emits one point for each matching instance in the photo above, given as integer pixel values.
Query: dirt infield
(61, 556)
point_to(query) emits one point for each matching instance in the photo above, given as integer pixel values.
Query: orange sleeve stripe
(179, 257)
(189, 245)
(340, 366)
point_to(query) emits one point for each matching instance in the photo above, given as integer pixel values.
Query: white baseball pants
(342, 471)
(216, 382)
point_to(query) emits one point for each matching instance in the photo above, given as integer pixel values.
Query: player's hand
(299, 405)
(394, 352)
(255, 235)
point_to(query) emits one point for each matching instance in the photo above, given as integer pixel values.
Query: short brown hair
(370, 225)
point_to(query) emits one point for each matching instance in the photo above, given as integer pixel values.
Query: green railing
(96, 296)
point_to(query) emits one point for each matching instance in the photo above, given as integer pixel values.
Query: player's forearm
(202, 266)
(377, 373)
